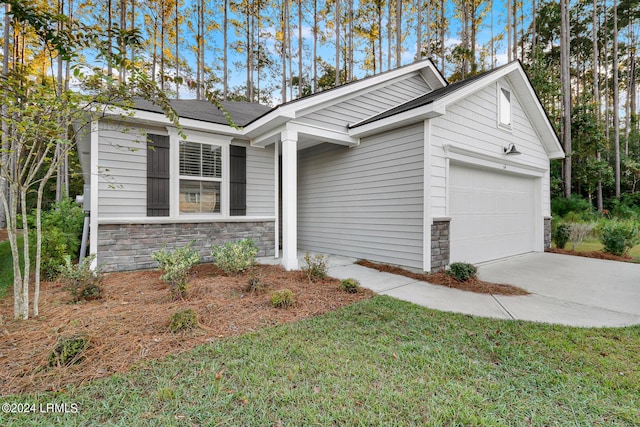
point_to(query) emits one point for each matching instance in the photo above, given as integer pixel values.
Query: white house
(400, 167)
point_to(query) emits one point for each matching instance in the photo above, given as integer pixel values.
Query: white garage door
(492, 214)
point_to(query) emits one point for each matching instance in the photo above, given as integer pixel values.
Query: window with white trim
(200, 178)
(504, 107)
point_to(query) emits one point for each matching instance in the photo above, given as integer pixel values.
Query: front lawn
(595, 245)
(376, 362)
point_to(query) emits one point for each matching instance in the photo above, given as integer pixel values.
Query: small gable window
(504, 113)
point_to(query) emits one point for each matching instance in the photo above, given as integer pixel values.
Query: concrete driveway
(564, 290)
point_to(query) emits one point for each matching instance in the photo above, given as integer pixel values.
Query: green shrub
(462, 271)
(560, 235)
(55, 248)
(61, 235)
(82, 283)
(176, 265)
(351, 286)
(69, 350)
(235, 257)
(183, 320)
(316, 267)
(66, 215)
(283, 298)
(561, 206)
(619, 237)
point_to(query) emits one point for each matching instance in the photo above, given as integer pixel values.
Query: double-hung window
(200, 178)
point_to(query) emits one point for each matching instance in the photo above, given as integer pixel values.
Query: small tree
(37, 112)
(578, 231)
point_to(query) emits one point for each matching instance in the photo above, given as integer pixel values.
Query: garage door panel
(492, 214)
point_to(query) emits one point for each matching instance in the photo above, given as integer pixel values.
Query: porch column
(289, 199)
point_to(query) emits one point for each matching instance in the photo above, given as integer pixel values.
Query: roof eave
(428, 111)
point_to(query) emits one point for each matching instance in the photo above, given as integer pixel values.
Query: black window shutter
(238, 180)
(157, 175)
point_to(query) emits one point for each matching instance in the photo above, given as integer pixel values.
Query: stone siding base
(547, 232)
(440, 244)
(129, 246)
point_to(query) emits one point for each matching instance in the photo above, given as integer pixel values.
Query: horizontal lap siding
(122, 161)
(366, 201)
(472, 123)
(260, 181)
(364, 106)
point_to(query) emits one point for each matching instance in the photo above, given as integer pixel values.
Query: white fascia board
(348, 92)
(340, 94)
(267, 123)
(536, 114)
(327, 135)
(414, 115)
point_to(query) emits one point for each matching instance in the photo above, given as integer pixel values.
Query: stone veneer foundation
(129, 246)
(547, 232)
(440, 244)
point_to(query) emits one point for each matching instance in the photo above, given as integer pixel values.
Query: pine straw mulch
(443, 279)
(593, 254)
(130, 324)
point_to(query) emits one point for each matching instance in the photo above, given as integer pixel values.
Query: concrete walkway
(564, 289)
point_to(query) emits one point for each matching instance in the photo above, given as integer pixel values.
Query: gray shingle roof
(425, 99)
(242, 113)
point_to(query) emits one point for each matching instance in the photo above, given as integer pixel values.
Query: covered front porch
(288, 141)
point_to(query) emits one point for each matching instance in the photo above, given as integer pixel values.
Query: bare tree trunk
(418, 30)
(177, 28)
(283, 17)
(631, 46)
(289, 49)
(225, 46)
(315, 46)
(534, 35)
(514, 32)
(380, 38)
(350, 41)
(300, 48)
(509, 47)
(566, 92)
(5, 129)
(443, 33)
(596, 91)
(60, 84)
(338, 43)
(123, 46)
(389, 36)
(616, 99)
(398, 33)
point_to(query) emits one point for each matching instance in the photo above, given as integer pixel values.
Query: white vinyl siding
(122, 162)
(470, 124)
(366, 201)
(260, 181)
(337, 117)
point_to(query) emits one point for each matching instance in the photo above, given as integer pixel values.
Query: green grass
(378, 362)
(595, 245)
(6, 266)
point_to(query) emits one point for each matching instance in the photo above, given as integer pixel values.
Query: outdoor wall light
(511, 150)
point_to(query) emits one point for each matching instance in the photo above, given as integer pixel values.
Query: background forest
(580, 56)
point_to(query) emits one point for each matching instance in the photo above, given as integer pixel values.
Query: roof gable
(435, 103)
